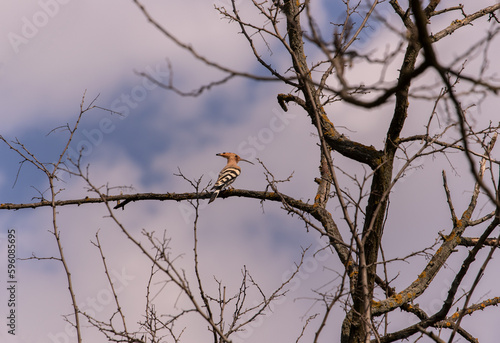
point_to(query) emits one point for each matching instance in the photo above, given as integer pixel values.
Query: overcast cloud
(52, 52)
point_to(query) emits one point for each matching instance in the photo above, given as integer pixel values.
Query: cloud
(97, 46)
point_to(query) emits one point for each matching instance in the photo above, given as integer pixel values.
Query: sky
(57, 54)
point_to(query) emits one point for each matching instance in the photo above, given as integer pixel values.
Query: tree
(356, 178)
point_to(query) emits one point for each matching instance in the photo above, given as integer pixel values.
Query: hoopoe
(228, 174)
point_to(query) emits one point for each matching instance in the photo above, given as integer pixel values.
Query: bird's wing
(226, 177)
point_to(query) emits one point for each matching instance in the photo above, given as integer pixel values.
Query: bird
(228, 174)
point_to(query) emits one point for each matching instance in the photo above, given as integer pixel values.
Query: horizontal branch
(317, 212)
(352, 149)
(429, 139)
(127, 198)
(470, 242)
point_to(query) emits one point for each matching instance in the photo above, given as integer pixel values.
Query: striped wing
(226, 177)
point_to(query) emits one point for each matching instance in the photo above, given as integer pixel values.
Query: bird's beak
(241, 159)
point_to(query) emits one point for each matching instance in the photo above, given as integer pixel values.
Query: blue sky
(96, 48)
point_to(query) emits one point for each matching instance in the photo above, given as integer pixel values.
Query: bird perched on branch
(228, 174)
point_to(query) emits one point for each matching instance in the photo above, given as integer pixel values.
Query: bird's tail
(214, 195)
